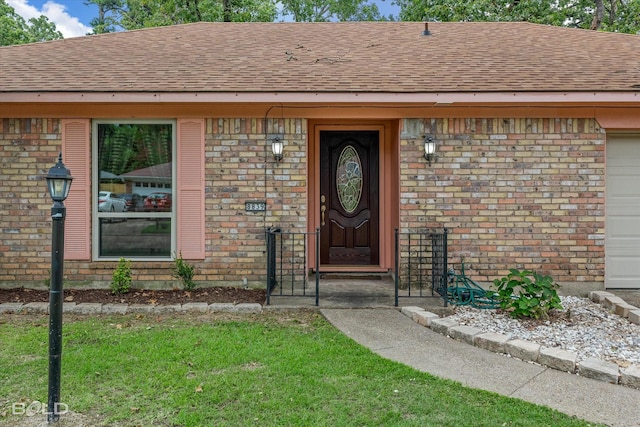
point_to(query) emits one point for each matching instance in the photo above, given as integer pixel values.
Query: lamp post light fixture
(429, 148)
(58, 182)
(277, 147)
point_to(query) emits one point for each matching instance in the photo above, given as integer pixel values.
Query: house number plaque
(256, 206)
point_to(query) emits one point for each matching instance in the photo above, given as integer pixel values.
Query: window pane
(135, 194)
(135, 237)
(135, 159)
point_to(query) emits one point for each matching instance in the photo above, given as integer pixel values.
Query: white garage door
(622, 250)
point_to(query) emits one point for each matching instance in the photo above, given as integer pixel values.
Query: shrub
(121, 279)
(527, 294)
(184, 271)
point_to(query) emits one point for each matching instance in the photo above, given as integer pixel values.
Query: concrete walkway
(394, 336)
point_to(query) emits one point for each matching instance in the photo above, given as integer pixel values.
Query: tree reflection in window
(127, 147)
(135, 167)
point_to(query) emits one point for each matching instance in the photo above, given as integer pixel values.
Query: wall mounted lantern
(277, 146)
(429, 148)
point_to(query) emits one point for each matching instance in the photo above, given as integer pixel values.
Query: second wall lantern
(429, 148)
(277, 147)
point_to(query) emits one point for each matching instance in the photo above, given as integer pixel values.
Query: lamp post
(58, 182)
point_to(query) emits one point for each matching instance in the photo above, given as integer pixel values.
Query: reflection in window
(135, 237)
(135, 164)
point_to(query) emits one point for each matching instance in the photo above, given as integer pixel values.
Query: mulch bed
(140, 296)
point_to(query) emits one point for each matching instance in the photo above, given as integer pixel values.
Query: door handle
(323, 209)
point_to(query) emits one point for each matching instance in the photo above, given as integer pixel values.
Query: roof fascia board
(436, 99)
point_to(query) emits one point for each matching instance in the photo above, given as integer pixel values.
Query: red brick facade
(239, 168)
(28, 149)
(514, 193)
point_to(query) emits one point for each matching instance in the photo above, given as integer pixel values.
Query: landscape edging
(110, 308)
(553, 358)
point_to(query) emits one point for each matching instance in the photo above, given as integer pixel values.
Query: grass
(270, 370)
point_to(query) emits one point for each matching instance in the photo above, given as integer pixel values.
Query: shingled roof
(353, 57)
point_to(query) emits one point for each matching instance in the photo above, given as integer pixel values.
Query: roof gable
(384, 57)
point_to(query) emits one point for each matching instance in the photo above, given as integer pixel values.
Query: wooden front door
(349, 202)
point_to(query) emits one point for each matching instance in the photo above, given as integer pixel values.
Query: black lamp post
(59, 182)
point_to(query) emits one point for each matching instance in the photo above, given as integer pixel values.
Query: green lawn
(290, 369)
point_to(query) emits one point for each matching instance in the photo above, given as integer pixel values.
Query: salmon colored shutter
(75, 156)
(190, 194)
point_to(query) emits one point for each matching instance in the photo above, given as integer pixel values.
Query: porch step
(355, 276)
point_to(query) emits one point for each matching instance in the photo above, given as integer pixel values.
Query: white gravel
(584, 328)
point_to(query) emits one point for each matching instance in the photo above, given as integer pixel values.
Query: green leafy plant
(184, 271)
(527, 294)
(121, 279)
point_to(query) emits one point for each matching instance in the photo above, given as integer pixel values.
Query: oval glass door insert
(349, 179)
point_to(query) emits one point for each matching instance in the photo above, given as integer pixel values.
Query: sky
(72, 16)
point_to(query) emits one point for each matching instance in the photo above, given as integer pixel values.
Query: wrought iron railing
(288, 265)
(421, 264)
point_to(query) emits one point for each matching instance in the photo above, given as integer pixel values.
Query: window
(133, 188)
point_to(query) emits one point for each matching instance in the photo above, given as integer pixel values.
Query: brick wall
(239, 167)
(28, 148)
(515, 193)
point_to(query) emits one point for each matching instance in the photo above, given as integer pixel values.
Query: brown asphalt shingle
(391, 57)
